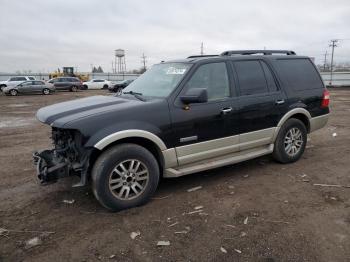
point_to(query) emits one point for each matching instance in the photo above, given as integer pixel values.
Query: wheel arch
(139, 137)
(299, 113)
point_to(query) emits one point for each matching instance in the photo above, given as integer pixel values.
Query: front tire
(46, 91)
(73, 89)
(13, 92)
(125, 176)
(290, 142)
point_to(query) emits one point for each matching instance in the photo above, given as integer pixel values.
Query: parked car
(29, 87)
(118, 87)
(15, 80)
(182, 117)
(66, 83)
(97, 84)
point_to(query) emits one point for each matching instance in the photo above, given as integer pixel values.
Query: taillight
(325, 99)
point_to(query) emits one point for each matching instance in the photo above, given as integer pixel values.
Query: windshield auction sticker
(175, 71)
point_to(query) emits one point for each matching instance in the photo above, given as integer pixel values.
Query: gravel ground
(258, 210)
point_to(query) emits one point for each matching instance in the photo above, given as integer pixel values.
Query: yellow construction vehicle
(69, 71)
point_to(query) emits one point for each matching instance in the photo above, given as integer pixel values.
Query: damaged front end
(68, 157)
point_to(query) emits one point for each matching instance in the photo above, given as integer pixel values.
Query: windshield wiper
(135, 94)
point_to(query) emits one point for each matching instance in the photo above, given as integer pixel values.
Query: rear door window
(251, 77)
(31, 78)
(298, 74)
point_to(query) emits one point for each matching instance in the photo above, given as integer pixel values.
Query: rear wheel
(73, 89)
(46, 91)
(13, 92)
(105, 87)
(125, 176)
(290, 142)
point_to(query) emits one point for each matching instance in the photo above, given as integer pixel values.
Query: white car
(97, 84)
(15, 80)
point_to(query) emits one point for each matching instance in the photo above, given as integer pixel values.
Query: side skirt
(218, 161)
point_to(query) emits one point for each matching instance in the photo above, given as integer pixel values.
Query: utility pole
(325, 61)
(144, 61)
(202, 49)
(333, 44)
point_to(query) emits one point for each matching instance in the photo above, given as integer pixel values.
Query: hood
(62, 113)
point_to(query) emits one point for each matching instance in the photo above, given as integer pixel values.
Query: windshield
(160, 80)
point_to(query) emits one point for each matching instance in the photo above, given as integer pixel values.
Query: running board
(218, 161)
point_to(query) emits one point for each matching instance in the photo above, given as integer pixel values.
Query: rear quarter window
(298, 74)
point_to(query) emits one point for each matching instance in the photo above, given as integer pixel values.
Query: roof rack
(199, 56)
(253, 52)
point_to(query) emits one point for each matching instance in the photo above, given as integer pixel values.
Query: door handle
(279, 102)
(226, 110)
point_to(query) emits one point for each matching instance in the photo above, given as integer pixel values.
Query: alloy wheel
(128, 179)
(293, 141)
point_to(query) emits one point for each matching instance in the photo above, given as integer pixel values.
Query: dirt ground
(258, 210)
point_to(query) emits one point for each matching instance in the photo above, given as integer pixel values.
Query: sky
(43, 35)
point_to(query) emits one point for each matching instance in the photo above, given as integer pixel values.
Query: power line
(202, 49)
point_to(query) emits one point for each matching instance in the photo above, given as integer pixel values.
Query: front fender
(119, 131)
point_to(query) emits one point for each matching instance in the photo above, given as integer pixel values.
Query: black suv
(118, 87)
(182, 117)
(66, 83)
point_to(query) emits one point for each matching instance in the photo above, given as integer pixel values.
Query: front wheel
(13, 92)
(125, 176)
(46, 91)
(74, 89)
(290, 142)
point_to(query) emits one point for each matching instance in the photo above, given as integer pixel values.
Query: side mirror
(195, 95)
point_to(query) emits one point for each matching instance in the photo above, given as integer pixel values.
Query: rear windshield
(299, 74)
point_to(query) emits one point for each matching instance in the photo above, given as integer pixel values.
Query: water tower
(120, 66)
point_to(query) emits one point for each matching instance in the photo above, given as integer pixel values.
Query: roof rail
(199, 56)
(253, 52)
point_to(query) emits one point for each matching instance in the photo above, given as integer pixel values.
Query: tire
(85, 87)
(119, 91)
(105, 87)
(46, 91)
(73, 89)
(103, 172)
(290, 142)
(13, 92)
